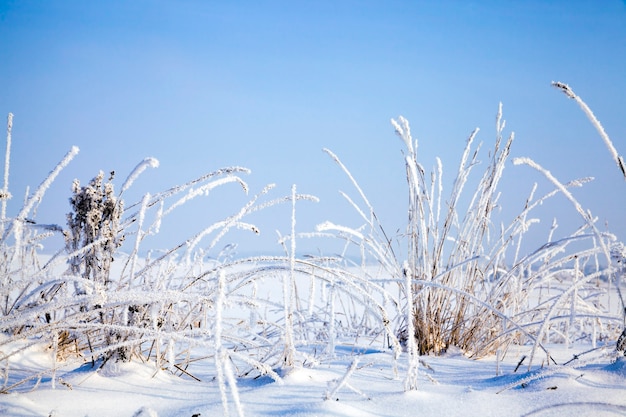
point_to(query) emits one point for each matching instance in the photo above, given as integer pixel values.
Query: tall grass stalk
(5, 196)
(288, 289)
(138, 238)
(619, 160)
(36, 197)
(410, 383)
(221, 356)
(560, 187)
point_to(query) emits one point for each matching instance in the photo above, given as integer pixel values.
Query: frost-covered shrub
(93, 233)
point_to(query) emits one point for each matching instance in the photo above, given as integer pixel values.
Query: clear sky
(201, 85)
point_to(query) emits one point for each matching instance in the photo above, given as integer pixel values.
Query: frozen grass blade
(224, 371)
(288, 287)
(527, 161)
(38, 195)
(342, 382)
(410, 383)
(4, 196)
(619, 160)
(142, 166)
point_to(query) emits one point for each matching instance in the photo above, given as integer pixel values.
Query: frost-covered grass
(463, 275)
(455, 281)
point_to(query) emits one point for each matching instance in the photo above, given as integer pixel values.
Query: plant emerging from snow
(93, 233)
(467, 284)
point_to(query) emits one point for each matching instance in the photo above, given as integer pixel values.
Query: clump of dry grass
(468, 286)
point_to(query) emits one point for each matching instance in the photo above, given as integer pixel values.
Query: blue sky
(201, 85)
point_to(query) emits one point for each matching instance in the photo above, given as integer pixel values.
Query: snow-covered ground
(449, 385)
(362, 378)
